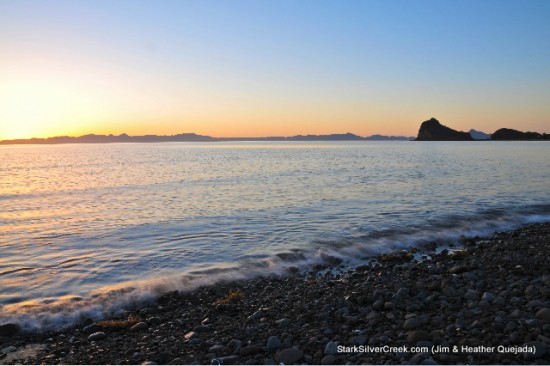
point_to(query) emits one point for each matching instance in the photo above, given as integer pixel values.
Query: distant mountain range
(433, 130)
(192, 137)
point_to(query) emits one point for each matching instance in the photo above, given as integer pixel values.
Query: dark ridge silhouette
(478, 135)
(432, 130)
(192, 137)
(510, 134)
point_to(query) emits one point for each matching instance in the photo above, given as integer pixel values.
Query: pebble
(139, 327)
(411, 324)
(190, 335)
(96, 336)
(289, 355)
(92, 328)
(283, 323)
(257, 315)
(543, 314)
(331, 348)
(328, 360)
(249, 350)
(415, 336)
(273, 344)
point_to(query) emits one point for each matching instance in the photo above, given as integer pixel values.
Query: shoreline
(490, 300)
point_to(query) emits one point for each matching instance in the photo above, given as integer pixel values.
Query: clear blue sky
(256, 68)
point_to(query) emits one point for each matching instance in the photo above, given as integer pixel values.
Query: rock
(471, 295)
(164, 357)
(510, 134)
(154, 320)
(283, 323)
(257, 315)
(429, 361)
(540, 349)
(432, 130)
(191, 335)
(217, 348)
(273, 344)
(92, 328)
(378, 305)
(139, 327)
(249, 350)
(328, 360)
(403, 292)
(9, 329)
(96, 336)
(488, 296)
(543, 314)
(415, 336)
(331, 348)
(225, 360)
(202, 328)
(290, 355)
(411, 324)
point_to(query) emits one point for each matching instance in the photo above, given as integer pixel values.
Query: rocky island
(433, 130)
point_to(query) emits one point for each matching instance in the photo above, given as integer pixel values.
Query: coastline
(490, 300)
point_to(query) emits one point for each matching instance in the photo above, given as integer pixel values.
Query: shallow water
(80, 221)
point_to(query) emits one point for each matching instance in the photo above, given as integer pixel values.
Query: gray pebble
(273, 344)
(331, 348)
(96, 336)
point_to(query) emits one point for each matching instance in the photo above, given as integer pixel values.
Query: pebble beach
(486, 301)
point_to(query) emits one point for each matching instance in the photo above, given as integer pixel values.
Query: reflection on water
(76, 218)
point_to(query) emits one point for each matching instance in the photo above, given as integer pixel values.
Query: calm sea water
(90, 229)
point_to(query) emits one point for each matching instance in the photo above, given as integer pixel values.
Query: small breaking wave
(110, 301)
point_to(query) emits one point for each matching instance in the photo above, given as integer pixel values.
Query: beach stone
(411, 324)
(328, 360)
(290, 355)
(449, 291)
(488, 296)
(471, 295)
(96, 336)
(154, 320)
(249, 350)
(378, 305)
(9, 329)
(331, 348)
(190, 335)
(202, 328)
(217, 348)
(429, 361)
(283, 323)
(226, 360)
(257, 315)
(273, 344)
(139, 327)
(415, 336)
(403, 292)
(543, 314)
(540, 349)
(164, 357)
(92, 328)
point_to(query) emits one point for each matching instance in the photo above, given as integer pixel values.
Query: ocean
(91, 230)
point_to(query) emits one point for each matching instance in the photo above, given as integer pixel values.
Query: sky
(242, 68)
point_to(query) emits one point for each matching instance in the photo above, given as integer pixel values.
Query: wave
(350, 251)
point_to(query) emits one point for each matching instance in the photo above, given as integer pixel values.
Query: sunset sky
(262, 68)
